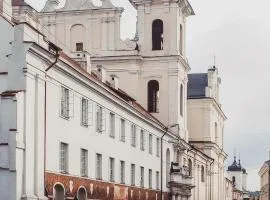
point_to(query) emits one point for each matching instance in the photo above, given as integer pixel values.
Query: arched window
(168, 165)
(202, 174)
(181, 40)
(82, 194)
(189, 167)
(77, 37)
(181, 100)
(59, 192)
(157, 34)
(153, 95)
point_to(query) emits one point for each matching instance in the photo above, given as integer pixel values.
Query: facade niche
(157, 35)
(77, 37)
(153, 96)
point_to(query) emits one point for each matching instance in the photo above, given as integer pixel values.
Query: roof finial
(234, 154)
(239, 158)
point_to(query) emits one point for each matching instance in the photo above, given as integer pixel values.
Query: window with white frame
(84, 112)
(142, 177)
(112, 125)
(150, 178)
(84, 162)
(133, 135)
(158, 147)
(142, 138)
(98, 166)
(132, 174)
(122, 172)
(65, 102)
(157, 180)
(150, 143)
(63, 157)
(123, 130)
(100, 118)
(111, 169)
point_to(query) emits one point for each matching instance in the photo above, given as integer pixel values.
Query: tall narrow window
(99, 166)
(122, 172)
(158, 147)
(168, 166)
(100, 119)
(123, 130)
(112, 125)
(181, 100)
(133, 135)
(132, 175)
(142, 177)
(157, 35)
(189, 167)
(111, 169)
(150, 178)
(84, 112)
(65, 101)
(157, 180)
(142, 146)
(153, 96)
(150, 144)
(84, 162)
(181, 42)
(59, 192)
(63, 158)
(216, 131)
(202, 174)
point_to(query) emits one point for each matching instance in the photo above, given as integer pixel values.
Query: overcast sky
(237, 32)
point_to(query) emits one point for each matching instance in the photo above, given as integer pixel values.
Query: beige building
(264, 173)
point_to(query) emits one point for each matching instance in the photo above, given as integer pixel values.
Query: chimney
(115, 81)
(6, 9)
(101, 72)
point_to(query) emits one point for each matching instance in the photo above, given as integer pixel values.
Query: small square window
(79, 46)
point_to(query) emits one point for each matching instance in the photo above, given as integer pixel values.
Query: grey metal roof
(268, 162)
(196, 85)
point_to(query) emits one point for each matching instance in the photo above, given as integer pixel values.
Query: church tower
(161, 32)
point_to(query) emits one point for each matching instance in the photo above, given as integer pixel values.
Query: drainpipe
(161, 162)
(45, 113)
(211, 164)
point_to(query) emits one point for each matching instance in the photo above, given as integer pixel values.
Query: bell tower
(161, 26)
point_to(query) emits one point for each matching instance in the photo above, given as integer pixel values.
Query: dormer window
(79, 46)
(157, 35)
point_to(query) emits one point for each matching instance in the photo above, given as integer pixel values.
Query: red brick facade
(98, 189)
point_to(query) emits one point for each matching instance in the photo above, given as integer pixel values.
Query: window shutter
(103, 120)
(71, 104)
(90, 113)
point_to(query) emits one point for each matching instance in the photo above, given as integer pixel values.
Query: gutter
(45, 114)
(161, 162)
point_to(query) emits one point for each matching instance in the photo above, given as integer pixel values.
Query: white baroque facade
(105, 118)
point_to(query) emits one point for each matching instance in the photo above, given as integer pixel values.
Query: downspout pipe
(45, 114)
(161, 162)
(211, 165)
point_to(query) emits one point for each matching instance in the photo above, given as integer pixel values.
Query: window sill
(85, 125)
(63, 172)
(65, 117)
(112, 136)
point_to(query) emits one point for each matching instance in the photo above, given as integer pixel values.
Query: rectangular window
(100, 119)
(150, 144)
(150, 178)
(63, 158)
(65, 101)
(133, 135)
(84, 162)
(132, 175)
(99, 166)
(142, 177)
(111, 169)
(79, 46)
(157, 180)
(123, 130)
(84, 112)
(158, 147)
(142, 145)
(122, 172)
(112, 125)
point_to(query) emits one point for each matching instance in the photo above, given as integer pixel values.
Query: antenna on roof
(214, 60)
(234, 154)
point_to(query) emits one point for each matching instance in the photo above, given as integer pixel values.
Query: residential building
(264, 174)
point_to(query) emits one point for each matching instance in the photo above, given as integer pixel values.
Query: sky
(237, 33)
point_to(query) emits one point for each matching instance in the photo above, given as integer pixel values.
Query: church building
(86, 115)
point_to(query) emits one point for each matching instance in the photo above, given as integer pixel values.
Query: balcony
(180, 180)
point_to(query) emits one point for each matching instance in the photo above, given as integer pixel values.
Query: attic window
(79, 46)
